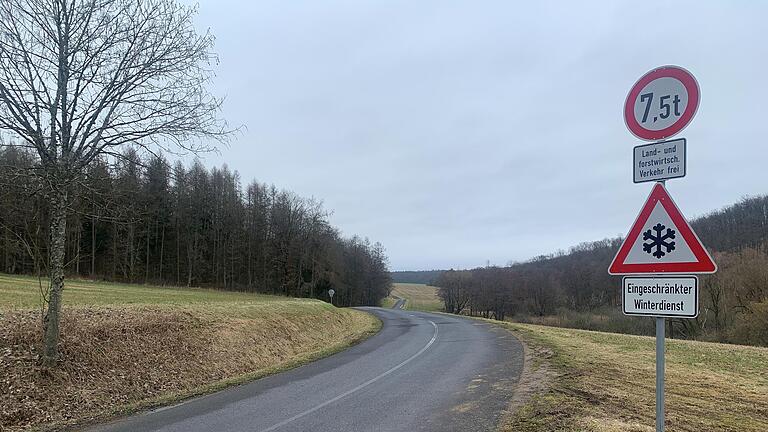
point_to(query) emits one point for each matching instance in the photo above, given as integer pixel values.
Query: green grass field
(418, 297)
(605, 382)
(23, 292)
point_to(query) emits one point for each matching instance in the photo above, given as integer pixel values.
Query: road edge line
(359, 387)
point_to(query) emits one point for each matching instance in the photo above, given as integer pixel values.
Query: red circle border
(691, 86)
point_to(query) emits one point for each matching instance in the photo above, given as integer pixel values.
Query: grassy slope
(418, 297)
(24, 292)
(605, 382)
(126, 346)
(388, 302)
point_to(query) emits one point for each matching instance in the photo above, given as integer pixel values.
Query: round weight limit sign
(661, 103)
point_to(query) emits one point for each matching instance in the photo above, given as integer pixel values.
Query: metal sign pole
(660, 374)
(660, 342)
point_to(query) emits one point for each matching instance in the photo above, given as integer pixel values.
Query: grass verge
(605, 382)
(126, 348)
(388, 302)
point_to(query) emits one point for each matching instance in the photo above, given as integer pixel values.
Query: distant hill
(573, 288)
(731, 228)
(421, 277)
(737, 226)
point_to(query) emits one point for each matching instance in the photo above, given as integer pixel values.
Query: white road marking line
(358, 388)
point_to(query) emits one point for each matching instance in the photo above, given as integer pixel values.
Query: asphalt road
(399, 304)
(422, 372)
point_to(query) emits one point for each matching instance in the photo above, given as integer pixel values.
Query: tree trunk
(6, 252)
(162, 250)
(250, 260)
(130, 272)
(178, 255)
(114, 249)
(78, 237)
(58, 226)
(146, 269)
(191, 255)
(314, 280)
(93, 246)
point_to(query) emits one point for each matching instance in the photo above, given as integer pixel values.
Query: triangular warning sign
(661, 241)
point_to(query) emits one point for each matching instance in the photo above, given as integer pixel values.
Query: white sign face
(331, 292)
(661, 103)
(660, 241)
(670, 296)
(659, 161)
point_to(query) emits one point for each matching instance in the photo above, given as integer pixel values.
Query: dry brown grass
(120, 358)
(418, 297)
(605, 382)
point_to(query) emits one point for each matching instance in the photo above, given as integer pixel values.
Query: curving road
(399, 304)
(421, 372)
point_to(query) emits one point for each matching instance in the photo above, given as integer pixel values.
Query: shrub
(751, 327)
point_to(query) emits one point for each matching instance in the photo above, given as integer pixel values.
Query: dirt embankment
(118, 359)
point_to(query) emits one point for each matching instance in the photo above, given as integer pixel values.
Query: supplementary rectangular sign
(659, 161)
(663, 296)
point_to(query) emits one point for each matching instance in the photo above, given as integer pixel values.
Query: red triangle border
(703, 263)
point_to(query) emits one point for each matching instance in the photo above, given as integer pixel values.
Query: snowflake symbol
(658, 241)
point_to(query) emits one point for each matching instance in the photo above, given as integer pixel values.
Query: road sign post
(660, 350)
(661, 242)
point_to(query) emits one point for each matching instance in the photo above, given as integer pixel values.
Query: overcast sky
(457, 133)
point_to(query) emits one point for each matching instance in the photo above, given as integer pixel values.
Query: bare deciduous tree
(81, 79)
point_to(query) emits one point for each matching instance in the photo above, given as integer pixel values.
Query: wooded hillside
(146, 221)
(426, 277)
(574, 289)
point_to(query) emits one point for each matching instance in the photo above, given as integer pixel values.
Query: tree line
(573, 288)
(143, 220)
(418, 277)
